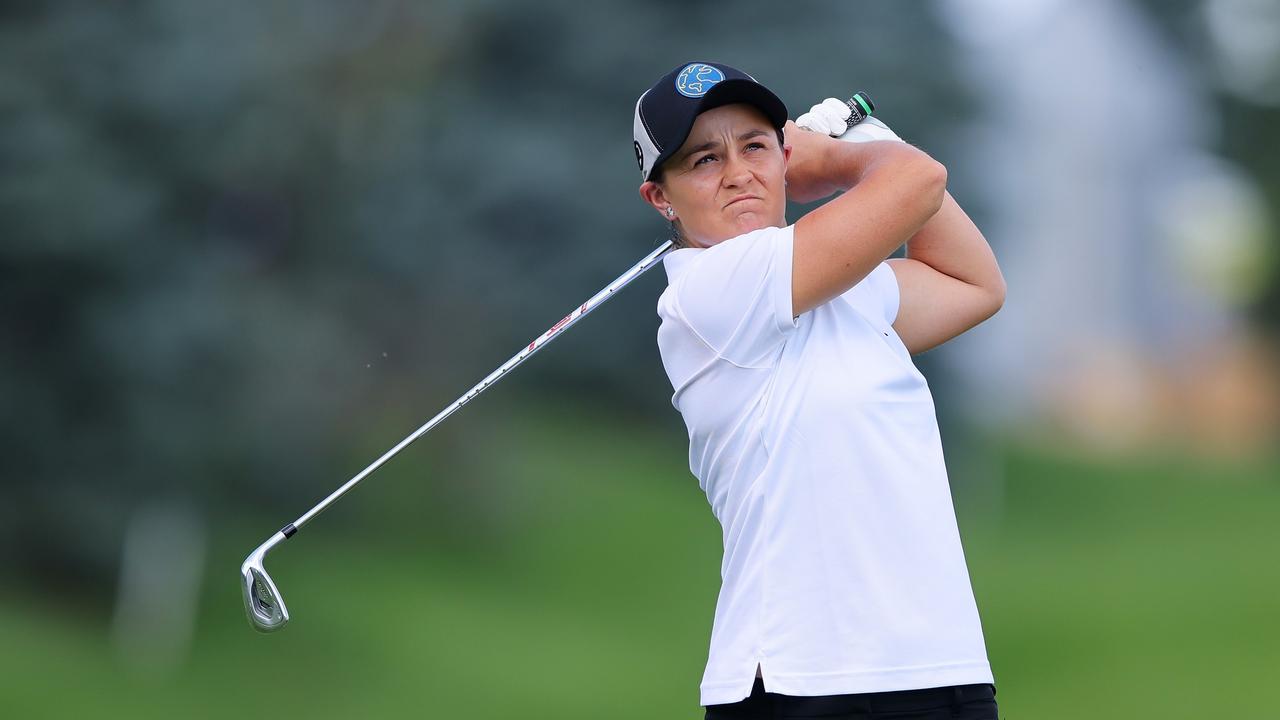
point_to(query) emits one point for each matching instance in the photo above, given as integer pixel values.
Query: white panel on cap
(642, 137)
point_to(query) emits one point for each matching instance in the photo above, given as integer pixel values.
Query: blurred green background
(246, 248)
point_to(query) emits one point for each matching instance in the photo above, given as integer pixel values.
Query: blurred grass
(1108, 589)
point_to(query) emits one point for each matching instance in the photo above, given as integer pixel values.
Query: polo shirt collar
(677, 260)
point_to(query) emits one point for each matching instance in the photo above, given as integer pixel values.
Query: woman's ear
(653, 194)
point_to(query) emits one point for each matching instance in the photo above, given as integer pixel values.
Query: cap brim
(729, 92)
(733, 91)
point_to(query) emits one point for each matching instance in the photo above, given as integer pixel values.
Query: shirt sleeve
(876, 295)
(736, 296)
(884, 291)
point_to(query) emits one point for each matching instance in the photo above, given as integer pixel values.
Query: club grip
(860, 107)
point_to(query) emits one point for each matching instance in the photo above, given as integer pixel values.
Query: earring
(671, 212)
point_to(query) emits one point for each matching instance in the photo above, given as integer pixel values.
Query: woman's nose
(736, 172)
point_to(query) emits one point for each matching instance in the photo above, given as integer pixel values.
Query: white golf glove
(830, 117)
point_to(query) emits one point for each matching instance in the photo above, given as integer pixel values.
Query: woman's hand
(815, 167)
(831, 117)
(809, 168)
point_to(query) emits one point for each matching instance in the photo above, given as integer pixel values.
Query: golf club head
(262, 601)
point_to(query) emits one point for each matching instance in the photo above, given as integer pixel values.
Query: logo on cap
(697, 78)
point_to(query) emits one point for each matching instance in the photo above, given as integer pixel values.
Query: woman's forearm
(951, 244)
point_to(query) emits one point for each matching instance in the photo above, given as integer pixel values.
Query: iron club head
(262, 601)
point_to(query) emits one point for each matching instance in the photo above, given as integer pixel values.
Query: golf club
(262, 600)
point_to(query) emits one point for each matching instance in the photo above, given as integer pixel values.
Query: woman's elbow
(933, 178)
(924, 179)
(994, 295)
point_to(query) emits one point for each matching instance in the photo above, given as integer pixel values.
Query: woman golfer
(845, 592)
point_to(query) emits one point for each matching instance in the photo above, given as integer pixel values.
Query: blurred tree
(235, 236)
(1247, 122)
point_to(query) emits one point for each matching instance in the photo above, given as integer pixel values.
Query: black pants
(961, 702)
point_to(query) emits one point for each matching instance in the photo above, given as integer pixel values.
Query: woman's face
(727, 179)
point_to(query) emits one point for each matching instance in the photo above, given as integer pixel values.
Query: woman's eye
(755, 146)
(700, 160)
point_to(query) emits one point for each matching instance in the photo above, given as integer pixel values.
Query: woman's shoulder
(751, 236)
(730, 259)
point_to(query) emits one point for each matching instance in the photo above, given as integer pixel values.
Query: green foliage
(233, 235)
(247, 247)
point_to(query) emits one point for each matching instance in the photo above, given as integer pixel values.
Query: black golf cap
(666, 111)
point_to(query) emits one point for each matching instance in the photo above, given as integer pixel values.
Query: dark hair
(677, 237)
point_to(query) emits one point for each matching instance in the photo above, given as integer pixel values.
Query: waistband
(892, 701)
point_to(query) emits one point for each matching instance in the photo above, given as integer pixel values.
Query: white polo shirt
(816, 442)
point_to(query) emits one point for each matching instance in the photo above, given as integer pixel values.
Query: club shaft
(578, 313)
